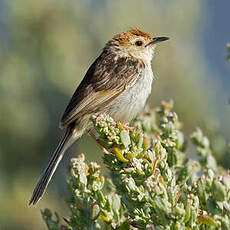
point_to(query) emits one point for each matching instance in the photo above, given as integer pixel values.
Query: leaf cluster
(153, 184)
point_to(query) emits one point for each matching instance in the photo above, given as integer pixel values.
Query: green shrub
(153, 183)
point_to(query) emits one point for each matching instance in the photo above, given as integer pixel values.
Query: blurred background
(46, 47)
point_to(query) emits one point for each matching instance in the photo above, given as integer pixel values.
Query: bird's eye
(138, 43)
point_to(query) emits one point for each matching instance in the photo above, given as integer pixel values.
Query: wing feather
(106, 79)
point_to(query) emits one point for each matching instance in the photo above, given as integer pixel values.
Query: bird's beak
(157, 39)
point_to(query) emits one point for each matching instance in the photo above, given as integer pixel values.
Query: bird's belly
(126, 106)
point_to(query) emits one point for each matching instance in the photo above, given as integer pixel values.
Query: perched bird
(118, 83)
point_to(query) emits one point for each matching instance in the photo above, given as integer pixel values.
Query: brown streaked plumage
(95, 92)
(117, 83)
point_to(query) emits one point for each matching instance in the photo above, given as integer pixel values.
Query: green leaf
(205, 219)
(119, 155)
(125, 139)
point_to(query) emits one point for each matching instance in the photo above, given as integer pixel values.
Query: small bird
(118, 83)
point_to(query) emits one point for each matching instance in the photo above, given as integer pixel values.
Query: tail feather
(51, 167)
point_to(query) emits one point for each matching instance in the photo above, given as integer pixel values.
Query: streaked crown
(125, 38)
(133, 43)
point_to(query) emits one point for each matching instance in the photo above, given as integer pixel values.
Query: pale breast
(125, 107)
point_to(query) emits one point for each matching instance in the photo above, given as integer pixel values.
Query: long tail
(48, 172)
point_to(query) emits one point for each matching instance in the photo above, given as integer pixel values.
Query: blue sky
(216, 34)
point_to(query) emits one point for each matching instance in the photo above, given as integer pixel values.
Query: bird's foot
(127, 127)
(103, 149)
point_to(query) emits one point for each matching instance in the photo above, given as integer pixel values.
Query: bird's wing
(106, 78)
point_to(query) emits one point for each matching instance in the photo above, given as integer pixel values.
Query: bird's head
(136, 43)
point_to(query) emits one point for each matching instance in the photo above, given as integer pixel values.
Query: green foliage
(153, 184)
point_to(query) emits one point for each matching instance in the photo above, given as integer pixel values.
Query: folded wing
(106, 79)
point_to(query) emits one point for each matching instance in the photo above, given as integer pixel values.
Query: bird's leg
(98, 143)
(126, 126)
